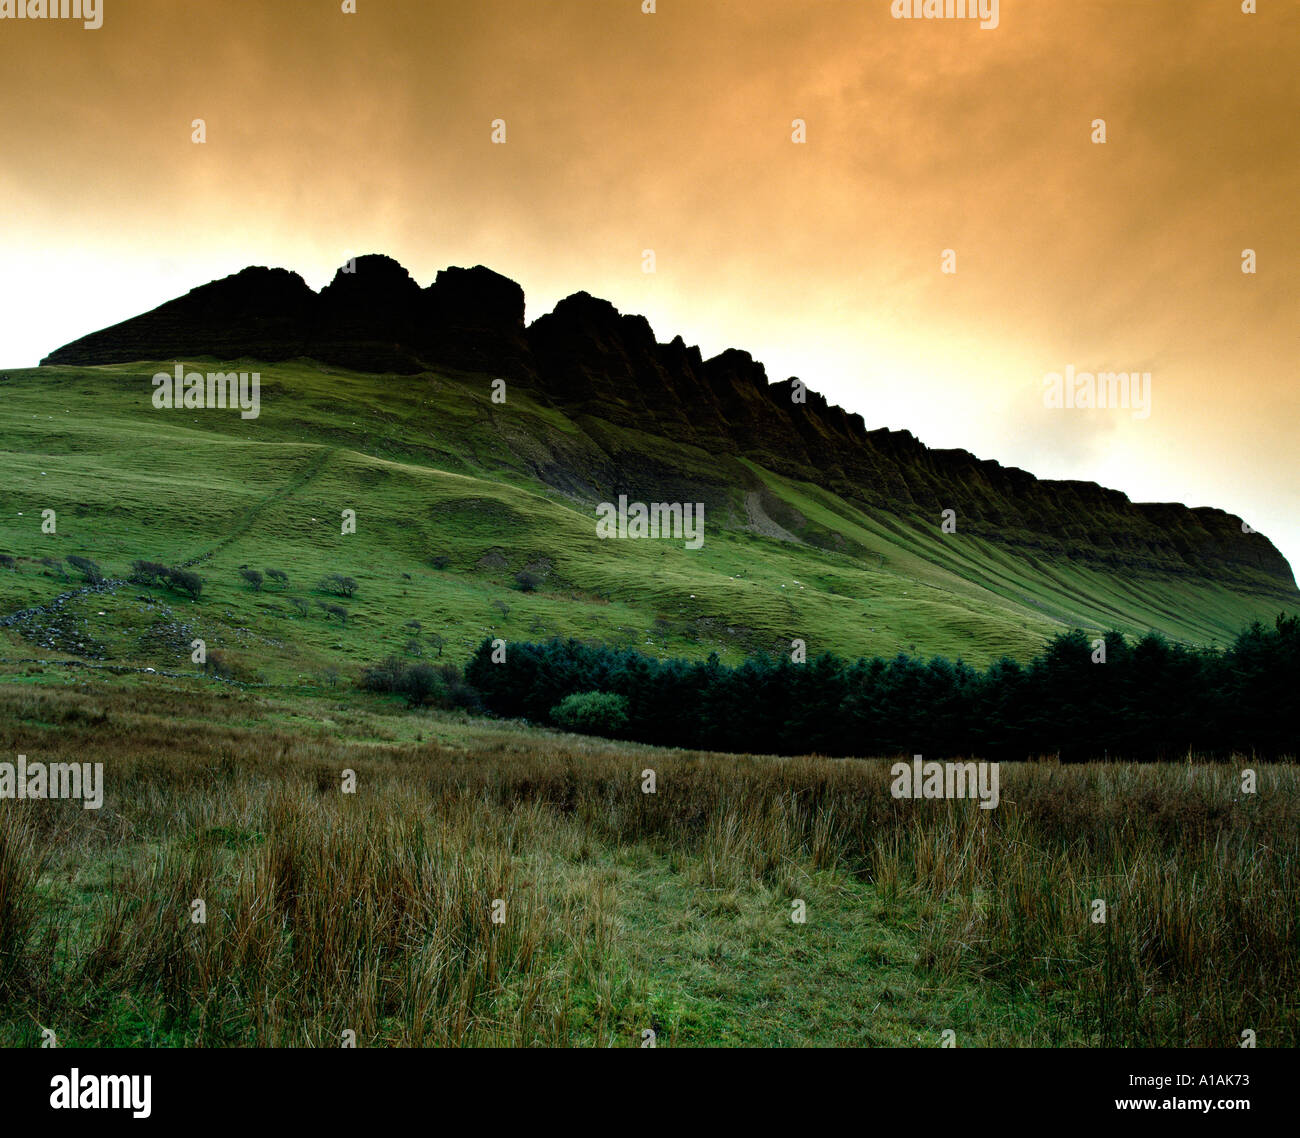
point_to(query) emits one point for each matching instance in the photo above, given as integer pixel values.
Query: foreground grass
(622, 912)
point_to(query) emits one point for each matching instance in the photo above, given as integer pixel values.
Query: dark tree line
(1150, 699)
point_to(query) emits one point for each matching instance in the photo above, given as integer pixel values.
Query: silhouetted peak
(476, 297)
(370, 283)
(683, 357)
(584, 327)
(256, 289)
(582, 311)
(736, 364)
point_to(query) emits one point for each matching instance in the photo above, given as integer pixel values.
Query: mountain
(378, 392)
(589, 361)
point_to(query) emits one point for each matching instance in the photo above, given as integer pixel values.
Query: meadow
(491, 884)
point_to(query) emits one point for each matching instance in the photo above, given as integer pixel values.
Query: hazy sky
(330, 134)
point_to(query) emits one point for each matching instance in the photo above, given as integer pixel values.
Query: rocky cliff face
(594, 363)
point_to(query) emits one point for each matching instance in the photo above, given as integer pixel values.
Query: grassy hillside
(433, 468)
(625, 912)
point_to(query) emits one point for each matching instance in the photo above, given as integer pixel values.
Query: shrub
(227, 666)
(334, 610)
(148, 572)
(591, 713)
(87, 568)
(457, 691)
(7, 562)
(214, 663)
(302, 606)
(279, 576)
(386, 676)
(55, 564)
(253, 577)
(527, 582)
(440, 561)
(185, 581)
(422, 683)
(337, 584)
(419, 683)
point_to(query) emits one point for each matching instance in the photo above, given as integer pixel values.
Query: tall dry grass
(372, 912)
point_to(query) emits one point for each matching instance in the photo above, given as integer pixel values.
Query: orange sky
(332, 134)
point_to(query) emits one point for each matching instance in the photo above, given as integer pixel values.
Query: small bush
(421, 684)
(227, 666)
(87, 568)
(527, 582)
(334, 610)
(185, 581)
(279, 576)
(458, 692)
(337, 584)
(214, 664)
(386, 676)
(591, 713)
(148, 572)
(253, 577)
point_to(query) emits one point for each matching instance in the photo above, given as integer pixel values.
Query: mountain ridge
(601, 366)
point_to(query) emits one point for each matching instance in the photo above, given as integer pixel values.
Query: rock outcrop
(595, 363)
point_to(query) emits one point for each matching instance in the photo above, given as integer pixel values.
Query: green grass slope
(433, 468)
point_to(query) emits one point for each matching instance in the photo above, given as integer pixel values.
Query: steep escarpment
(607, 372)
